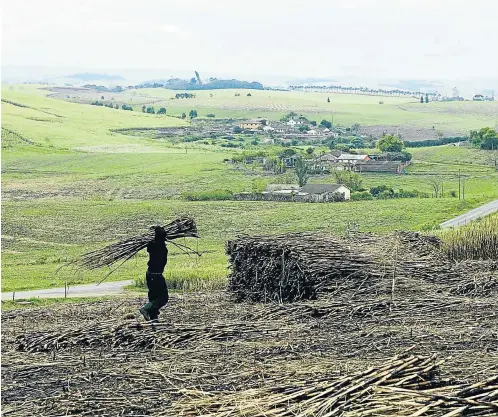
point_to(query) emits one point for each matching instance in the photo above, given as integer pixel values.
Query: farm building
(252, 124)
(293, 122)
(324, 192)
(396, 167)
(350, 158)
(279, 187)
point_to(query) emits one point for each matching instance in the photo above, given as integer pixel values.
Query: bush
(162, 110)
(215, 195)
(365, 195)
(126, 107)
(211, 115)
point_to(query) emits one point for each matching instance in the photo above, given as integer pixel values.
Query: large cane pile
(300, 265)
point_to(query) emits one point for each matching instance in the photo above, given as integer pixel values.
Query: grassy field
(70, 184)
(344, 109)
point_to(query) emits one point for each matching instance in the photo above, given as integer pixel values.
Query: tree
(150, 110)
(390, 143)
(192, 114)
(102, 97)
(116, 106)
(144, 108)
(426, 97)
(184, 115)
(301, 170)
(421, 99)
(485, 138)
(162, 110)
(326, 123)
(313, 123)
(350, 179)
(249, 94)
(355, 128)
(436, 184)
(328, 99)
(287, 153)
(303, 128)
(310, 151)
(126, 107)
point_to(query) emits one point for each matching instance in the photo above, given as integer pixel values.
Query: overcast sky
(374, 38)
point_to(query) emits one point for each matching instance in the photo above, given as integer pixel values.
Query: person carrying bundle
(158, 291)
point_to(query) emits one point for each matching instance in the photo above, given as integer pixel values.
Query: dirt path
(75, 291)
(471, 215)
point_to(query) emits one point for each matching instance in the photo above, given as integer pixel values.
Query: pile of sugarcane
(299, 266)
(128, 248)
(291, 267)
(407, 385)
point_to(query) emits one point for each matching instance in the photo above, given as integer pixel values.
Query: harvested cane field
(414, 338)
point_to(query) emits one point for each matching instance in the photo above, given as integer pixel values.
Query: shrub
(215, 195)
(211, 115)
(126, 107)
(365, 195)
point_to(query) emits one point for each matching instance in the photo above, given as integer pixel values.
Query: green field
(344, 109)
(70, 184)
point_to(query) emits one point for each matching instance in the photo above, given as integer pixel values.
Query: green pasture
(344, 109)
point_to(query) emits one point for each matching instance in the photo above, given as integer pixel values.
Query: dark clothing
(158, 255)
(158, 291)
(158, 294)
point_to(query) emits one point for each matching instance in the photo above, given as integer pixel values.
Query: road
(75, 291)
(471, 215)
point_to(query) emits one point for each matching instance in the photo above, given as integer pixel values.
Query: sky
(410, 39)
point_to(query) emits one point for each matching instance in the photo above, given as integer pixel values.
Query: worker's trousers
(158, 293)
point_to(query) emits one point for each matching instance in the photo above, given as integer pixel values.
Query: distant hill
(88, 76)
(193, 84)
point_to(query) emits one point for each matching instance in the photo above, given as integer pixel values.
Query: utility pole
(463, 188)
(459, 184)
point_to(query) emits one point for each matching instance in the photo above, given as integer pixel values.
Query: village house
(312, 132)
(324, 192)
(252, 124)
(395, 167)
(293, 122)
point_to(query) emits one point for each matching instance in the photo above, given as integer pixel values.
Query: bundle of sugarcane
(294, 266)
(127, 248)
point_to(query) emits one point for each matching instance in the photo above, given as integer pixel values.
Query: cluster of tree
(126, 107)
(184, 95)
(162, 110)
(95, 87)
(294, 116)
(97, 103)
(213, 84)
(390, 143)
(383, 192)
(402, 156)
(345, 144)
(485, 138)
(358, 90)
(352, 180)
(192, 114)
(326, 123)
(435, 142)
(149, 109)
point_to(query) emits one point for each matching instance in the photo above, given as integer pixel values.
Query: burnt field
(398, 345)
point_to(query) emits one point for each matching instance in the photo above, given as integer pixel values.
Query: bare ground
(100, 358)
